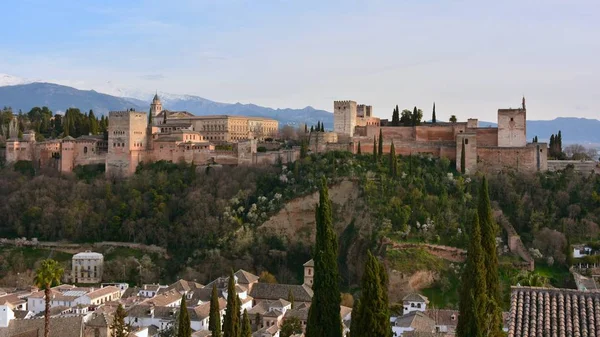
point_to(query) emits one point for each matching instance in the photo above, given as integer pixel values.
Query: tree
(530, 279)
(303, 149)
(93, 121)
(322, 127)
(375, 148)
(416, 117)
(246, 328)
(266, 277)
(324, 313)
(569, 253)
(291, 299)
(312, 129)
(184, 328)
(380, 149)
(393, 161)
(463, 161)
(374, 315)
(433, 118)
(318, 126)
(231, 321)
(214, 320)
(396, 117)
(118, 326)
(453, 119)
(488, 244)
(358, 151)
(305, 128)
(291, 326)
(46, 276)
(356, 321)
(472, 318)
(406, 118)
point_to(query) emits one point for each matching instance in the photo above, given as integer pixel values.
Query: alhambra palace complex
(135, 137)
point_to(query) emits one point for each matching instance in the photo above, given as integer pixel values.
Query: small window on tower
(512, 119)
(466, 142)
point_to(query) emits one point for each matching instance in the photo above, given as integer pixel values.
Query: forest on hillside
(210, 216)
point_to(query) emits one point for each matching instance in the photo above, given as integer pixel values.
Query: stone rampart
(579, 166)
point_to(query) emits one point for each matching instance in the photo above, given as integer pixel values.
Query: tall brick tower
(156, 106)
(344, 117)
(127, 141)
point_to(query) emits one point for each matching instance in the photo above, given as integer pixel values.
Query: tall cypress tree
(380, 151)
(214, 320)
(356, 321)
(463, 161)
(322, 127)
(433, 118)
(375, 148)
(473, 296)
(184, 327)
(393, 161)
(374, 315)
(396, 117)
(359, 151)
(231, 321)
(324, 313)
(291, 299)
(488, 244)
(246, 328)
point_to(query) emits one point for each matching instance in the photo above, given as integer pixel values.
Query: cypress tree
(463, 161)
(184, 327)
(359, 150)
(246, 328)
(322, 127)
(569, 252)
(559, 141)
(374, 147)
(374, 315)
(380, 151)
(393, 162)
(303, 149)
(312, 128)
(324, 313)
(433, 118)
(414, 116)
(214, 320)
(488, 244)
(318, 126)
(149, 117)
(231, 321)
(396, 117)
(118, 326)
(291, 299)
(355, 322)
(305, 128)
(473, 299)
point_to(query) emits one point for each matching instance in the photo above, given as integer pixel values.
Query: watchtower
(127, 141)
(344, 117)
(155, 106)
(512, 127)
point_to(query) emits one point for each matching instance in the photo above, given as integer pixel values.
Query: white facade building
(87, 267)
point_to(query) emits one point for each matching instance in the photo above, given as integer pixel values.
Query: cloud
(153, 77)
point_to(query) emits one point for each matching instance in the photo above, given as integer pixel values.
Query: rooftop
(88, 255)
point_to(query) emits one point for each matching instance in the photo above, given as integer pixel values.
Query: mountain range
(21, 95)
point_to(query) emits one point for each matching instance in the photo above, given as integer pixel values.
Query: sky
(469, 57)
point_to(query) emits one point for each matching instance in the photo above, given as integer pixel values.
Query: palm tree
(47, 275)
(530, 279)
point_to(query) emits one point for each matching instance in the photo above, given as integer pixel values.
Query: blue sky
(470, 57)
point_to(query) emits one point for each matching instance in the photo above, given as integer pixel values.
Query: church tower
(156, 106)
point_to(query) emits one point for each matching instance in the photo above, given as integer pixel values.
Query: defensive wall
(579, 166)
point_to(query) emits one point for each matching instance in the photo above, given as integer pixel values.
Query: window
(466, 142)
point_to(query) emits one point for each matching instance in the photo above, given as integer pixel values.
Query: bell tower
(156, 106)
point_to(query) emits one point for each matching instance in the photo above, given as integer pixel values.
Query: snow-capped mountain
(6, 79)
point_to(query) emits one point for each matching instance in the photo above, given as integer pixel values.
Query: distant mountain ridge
(59, 97)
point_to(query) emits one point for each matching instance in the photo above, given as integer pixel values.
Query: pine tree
(396, 117)
(324, 313)
(358, 151)
(118, 326)
(246, 328)
(380, 150)
(433, 118)
(488, 244)
(374, 315)
(214, 321)
(463, 161)
(393, 161)
(184, 328)
(231, 321)
(473, 296)
(291, 299)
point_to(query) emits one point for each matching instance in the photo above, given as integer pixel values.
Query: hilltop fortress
(135, 137)
(485, 148)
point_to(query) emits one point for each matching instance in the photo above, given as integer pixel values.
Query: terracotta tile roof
(103, 292)
(443, 316)
(203, 311)
(414, 297)
(269, 291)
(553, 312)
(59, 327)
(182, 286)
(163, 299)
(416, 320)
(12, 299)
(245, 277)
(300, 313)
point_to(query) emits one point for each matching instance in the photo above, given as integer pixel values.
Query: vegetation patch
(411, 260)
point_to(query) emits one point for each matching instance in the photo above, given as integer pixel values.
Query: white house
(581, 251)
(6, 315)
(150, 290)
(87, 267)
(414, 302)
(70, 296)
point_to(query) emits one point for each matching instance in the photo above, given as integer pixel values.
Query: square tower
(344, 117)
(512, 127)
(127, 141)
